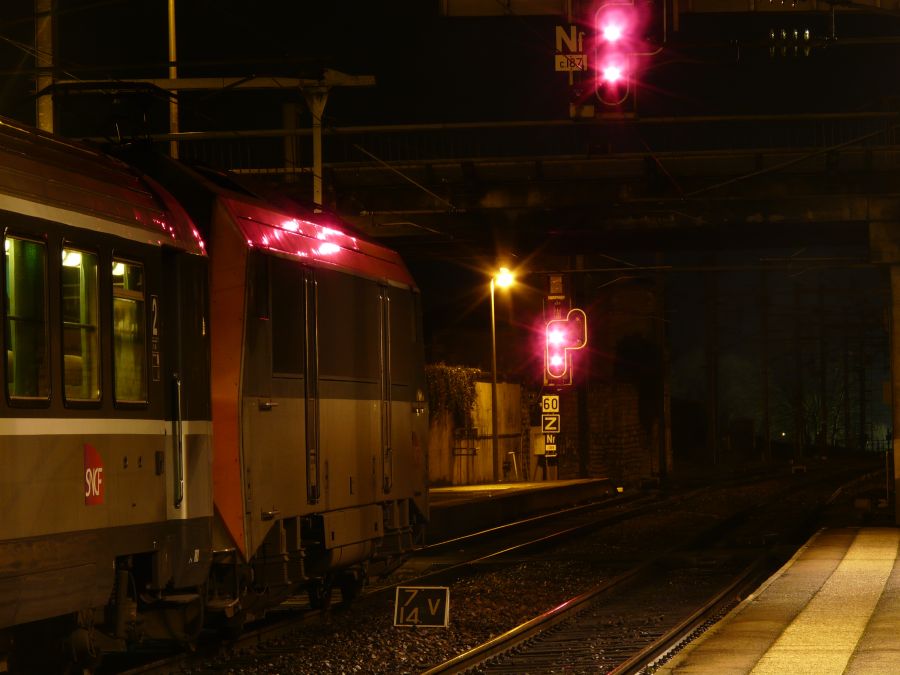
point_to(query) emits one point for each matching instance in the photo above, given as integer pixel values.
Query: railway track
(540, 556)
(649, 611)
(446, 559)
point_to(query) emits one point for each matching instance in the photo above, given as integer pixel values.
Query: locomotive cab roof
(270, 219)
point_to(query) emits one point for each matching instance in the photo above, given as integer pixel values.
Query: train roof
(46, 176)
(317, 242)
(272, 221)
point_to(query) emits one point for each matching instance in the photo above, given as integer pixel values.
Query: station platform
(461, 509)
(833, 608)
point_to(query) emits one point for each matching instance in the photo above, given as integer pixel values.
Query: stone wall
(456, 457)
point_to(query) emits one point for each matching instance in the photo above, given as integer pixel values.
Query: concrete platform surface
(833, 608)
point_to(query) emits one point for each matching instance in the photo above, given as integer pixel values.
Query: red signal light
(614, 19)
(612, 73)
(562, 337)
(611, 32)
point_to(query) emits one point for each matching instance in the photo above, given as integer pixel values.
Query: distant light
(504, 278)
(783, 434)
(620, 489)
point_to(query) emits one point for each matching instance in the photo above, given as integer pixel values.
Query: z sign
(94, 488)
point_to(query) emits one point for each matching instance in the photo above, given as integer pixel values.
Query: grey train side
(105, 430)
(188, 439)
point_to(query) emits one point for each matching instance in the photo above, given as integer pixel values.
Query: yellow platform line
(826, 632)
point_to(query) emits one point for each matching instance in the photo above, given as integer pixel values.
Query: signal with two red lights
(562, 337)
(618, 26)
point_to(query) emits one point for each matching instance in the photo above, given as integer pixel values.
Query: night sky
(430, 68)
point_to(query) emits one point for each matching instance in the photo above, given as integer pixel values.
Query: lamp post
(503, 278)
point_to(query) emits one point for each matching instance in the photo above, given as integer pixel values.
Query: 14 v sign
(420, 606)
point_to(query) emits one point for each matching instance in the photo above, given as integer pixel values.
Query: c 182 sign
(422, 606)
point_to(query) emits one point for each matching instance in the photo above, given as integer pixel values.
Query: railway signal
(562, 338)
(616, 26)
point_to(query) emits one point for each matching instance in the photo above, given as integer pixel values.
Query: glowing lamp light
(612, 74)
(555, 337)
(71, 258)
(612, 32)
(504, 278)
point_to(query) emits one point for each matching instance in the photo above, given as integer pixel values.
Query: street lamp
(504, 279)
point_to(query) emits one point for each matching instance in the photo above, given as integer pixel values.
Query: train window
(403, 335)
(129, 332)
(80, 337)
(27, 364)
(287, 318)
(349, 327)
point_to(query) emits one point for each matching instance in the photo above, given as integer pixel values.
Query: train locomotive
(214, 401)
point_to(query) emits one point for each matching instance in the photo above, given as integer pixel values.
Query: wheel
(319, 592)
(232, 627)
(351, 586)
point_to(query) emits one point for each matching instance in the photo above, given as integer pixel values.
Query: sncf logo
(94, 489)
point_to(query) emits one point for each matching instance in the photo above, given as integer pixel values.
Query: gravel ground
(362, 639)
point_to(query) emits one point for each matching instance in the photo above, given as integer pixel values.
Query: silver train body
(213, 401)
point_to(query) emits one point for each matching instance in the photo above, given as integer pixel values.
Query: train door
(350, 391)
(279, 426)
(178, 327)
(402, 392)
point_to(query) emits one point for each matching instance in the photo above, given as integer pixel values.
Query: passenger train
(214, 400)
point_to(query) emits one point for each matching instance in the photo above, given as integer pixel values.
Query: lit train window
(80, 336)
(27, 371)
(129, 332)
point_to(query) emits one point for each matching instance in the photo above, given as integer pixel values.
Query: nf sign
(569, 49)
(422, 606)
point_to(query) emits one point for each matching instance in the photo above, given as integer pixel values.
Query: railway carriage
(213, 400)
(105, 445)
(318, 398)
